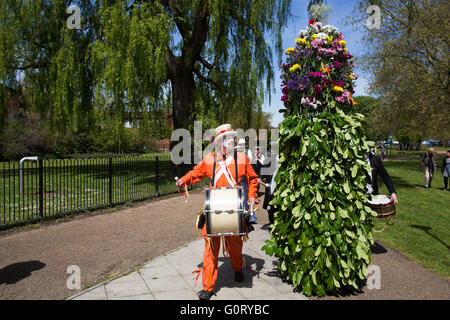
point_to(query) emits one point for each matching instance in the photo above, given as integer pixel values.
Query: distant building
(166, 120)
(14, 102)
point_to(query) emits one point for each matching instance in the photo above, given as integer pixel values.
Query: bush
(23, 136)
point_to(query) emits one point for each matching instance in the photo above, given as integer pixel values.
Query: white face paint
(228, 143)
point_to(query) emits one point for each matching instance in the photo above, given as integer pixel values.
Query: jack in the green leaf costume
(323, 223)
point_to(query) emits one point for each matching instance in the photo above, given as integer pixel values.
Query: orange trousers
(211, 254)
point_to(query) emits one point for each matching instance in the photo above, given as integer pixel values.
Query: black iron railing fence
(56, 187)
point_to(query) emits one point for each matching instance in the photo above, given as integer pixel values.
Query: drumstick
(181, 189)
(267, 185)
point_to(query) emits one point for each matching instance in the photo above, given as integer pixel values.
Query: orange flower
(325, 70)
(352, 100)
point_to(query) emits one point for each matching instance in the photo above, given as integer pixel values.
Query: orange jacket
(205, 168)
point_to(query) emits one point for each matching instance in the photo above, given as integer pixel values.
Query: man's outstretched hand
(180, 183)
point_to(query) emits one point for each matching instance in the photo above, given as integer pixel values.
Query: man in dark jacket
(428, 165)
(378, 169)
(445, 169)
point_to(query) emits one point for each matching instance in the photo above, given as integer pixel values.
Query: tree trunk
(183, 103)
(183, 86)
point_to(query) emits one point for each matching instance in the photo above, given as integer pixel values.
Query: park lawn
(73, 185)
(421, 230)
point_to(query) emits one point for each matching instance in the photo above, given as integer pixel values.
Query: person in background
(256, 163)
(445, 169)
(270, 188)
(378, 169)
(373, 151)
(428, 165)
(382, 152)
(241, 147)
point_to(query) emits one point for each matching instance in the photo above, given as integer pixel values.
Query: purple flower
(304, 83)
(318, 89)
(337, 64)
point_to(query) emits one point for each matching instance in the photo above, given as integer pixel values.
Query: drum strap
(236, 167)
(213, 182)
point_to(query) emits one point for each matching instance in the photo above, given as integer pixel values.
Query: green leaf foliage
(322, 238)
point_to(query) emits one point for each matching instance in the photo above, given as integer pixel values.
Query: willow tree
(212, 45)
(129, 54)
(42, 58)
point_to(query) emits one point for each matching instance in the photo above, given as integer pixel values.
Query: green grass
(421, 228)
(73, 185)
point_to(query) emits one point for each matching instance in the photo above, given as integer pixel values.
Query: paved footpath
(157, 237)
(170, 277)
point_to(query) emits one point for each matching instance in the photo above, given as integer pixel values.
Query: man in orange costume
(224, 176)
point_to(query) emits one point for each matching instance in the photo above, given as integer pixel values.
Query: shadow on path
(225, 275)
(18, 271)
(377, 248)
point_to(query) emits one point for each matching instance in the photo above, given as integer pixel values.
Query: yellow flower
(351, 76)
(314, 36)
(289, 50)
(295, 67)
(345, 49)
(343, 43)
(301, 40)
(329, 39)
(338, 89)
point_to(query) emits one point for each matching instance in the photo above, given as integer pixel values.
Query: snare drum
(382, 205)
(224, 211)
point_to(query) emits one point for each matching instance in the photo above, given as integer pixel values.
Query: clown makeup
(228, 143)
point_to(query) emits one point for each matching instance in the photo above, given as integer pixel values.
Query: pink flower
(327, 52)
(344, 98)
(284, 98)
(310, 101)
(317, 43)
(317, 74)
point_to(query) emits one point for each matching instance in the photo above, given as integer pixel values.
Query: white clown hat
(223, 130)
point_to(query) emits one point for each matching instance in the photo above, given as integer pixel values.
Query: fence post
(41, 190)
(157, 176)
(110, 180)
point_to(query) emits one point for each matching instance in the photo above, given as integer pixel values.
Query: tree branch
(201, 25)
(206, 63)
(208, 80)
(175, 9)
